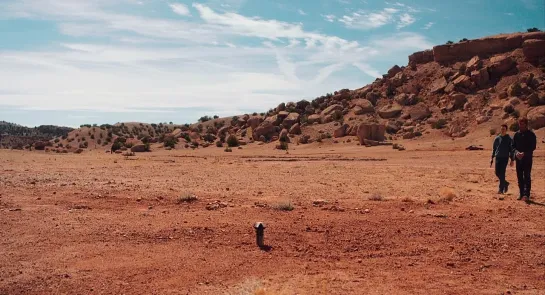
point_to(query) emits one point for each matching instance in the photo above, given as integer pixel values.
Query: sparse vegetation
(440, 124)
(204, 119)
(232, 141)
(514, 127)
(446, 195)
(515, 114)
(284, 207)
(187, 198)
(493, 131)
(407, 200)
(219, 144)
(463, 40)
(170, 141)
(449, 42)
(228, 150)
(376, 197)
(533, 30)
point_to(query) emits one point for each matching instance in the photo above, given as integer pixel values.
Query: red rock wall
(479, 47)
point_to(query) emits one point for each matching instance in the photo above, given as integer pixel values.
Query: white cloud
(301, 12)
(405, 20)
(163, 63)
(329, 17)
(180, 9)
(369, 20)
(428, 25)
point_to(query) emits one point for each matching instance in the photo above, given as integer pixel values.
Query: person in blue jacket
(502, 151)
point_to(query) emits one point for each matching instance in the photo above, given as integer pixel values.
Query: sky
(72, 62)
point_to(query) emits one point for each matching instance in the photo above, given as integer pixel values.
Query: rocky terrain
(448, 91)
(340, 218)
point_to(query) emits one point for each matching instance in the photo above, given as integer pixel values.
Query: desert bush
(228, 150)
(187, 198)
(407, 200)
(376, 197)
(450, 42)
(515, 114)
(493, 131)
(284, 206)
(219, 144)
(463, 40)
(56, 140)
(129, 145)
(440, 124)
(232, 141)
(216, 117)
(170, 141)
(234, 120)
(533, 30)
(283, 146)
(446, 195)
(514, 127)
(116, 146)
(68, 146)
(204, 119)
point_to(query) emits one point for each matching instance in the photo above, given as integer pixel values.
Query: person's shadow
(535, 203)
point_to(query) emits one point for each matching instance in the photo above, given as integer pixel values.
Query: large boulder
(398, 79)
(456, 101)
(501, 65)
(364, 105)
(474, 64)
(533, 49)
(419, 111)
(331, 109)
(371, 132)
(282, 115)
(390, 111)
(295, 129)
(253, 122)
(291, 119)
(281, 107)
(536, 117)
(438, 85)
(264, 129)
(274, 120)
(463, 82)
(393, 71)
(283, 136)
(341, 131)
(314, 119)
(139, 148)
(223, 131)
(480, 77)
(372, 97)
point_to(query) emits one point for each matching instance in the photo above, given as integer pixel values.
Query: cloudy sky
(71, 62)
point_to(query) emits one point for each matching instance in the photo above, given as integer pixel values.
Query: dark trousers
(524, 169)
(501, 166)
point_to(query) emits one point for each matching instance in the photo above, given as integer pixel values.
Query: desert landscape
(385, 189)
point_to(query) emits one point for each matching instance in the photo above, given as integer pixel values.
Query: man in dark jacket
(524, 144)
(502, 151)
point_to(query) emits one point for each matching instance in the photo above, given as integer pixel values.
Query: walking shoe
(506, 187)
(520, 198)
(500, 192)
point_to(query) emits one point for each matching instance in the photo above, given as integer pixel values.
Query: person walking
(502, 151)
(524, 144)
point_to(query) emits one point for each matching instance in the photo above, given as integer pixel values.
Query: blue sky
(71, 62)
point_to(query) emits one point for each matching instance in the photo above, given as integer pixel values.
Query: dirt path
(102, 224)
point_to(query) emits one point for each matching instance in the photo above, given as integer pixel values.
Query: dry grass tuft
(446, 195)
(376, 197)
(407, 200)
(187, 198)
(284, 207)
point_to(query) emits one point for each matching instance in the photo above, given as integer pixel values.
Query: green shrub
(219, 144)
(170, 141)
(493, 131)
(533, 30)
(116, 146)
(284, 207)
(514, 127)
(440, 124)
(232, 141)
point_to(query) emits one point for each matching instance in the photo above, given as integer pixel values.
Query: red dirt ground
(102, 224)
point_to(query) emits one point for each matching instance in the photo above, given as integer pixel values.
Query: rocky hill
(450, 90)
(17, 136)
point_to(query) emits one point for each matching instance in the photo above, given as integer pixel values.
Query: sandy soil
(97, 223)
